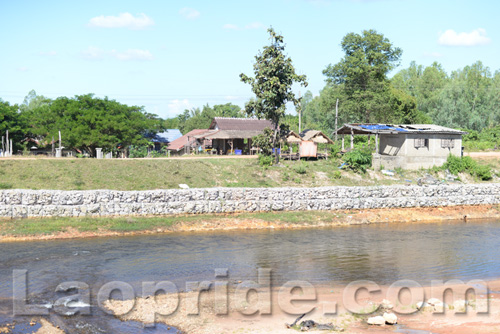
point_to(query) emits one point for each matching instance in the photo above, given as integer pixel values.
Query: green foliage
(300, 169)
(272, 84)
(87, 122)
(138, 151)
(337, 175)
(265, 160)
(12, 121)
(358, 159)
(466, 164)
(201, 119)
(264, 141)
(361, 84)
(468, 98)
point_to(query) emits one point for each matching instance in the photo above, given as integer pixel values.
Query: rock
(379, 321)
(386, 305)
(390, 318)
(433, 301)
(183, 186)
(459, 305)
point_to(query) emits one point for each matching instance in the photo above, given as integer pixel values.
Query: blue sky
(172, 55)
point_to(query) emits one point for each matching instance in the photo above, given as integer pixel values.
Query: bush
(300, 169)
(266, 160)
(359, 159)
(466, 164)
(336, 175)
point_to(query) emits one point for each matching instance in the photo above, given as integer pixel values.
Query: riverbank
(66, 227)
(347, 308)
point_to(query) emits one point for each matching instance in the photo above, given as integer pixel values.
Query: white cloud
(254, 25)
(132, 54)
(123, 20)
(93, 53)
(473, 38)
(230, 26)
(48, 53)
(176, 107)
(22, 69)
(189, 13)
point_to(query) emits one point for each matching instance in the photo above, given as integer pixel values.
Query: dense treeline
(86, 122)
(201, 119)
(468, 99)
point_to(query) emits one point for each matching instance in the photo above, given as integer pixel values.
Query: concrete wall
(54, 203)
(400, 151)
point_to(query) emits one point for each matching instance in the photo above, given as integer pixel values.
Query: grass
(47, 226)
(146, 174)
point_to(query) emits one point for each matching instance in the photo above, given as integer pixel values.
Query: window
(421, 142)
(447, 143)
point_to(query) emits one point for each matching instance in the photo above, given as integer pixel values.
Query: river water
(383, 253)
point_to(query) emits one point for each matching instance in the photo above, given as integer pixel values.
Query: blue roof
(167, 136)
(382, 127)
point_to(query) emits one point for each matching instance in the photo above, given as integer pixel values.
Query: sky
(170, 55)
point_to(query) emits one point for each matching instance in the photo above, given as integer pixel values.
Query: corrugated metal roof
(369, 128)
(179, 143)
(240, 124)
(167, 136)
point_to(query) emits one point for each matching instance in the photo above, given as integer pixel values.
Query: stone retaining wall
(56, 203)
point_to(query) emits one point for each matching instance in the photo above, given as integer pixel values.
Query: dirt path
(488, 155)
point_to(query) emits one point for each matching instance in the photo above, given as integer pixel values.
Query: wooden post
(352, 139)
(11, 147)
(60, 146)
(343, 149)
(7, 142)
(300, 113)
(336, 118)
(376, 143)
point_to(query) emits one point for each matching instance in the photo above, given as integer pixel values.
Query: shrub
(359, 159)
(466, 164)
(300, 169)
(337, 175)
(266, 160)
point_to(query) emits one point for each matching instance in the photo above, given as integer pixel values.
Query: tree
(10, 120)
(272, 84)
(87, 122)
(362, 75)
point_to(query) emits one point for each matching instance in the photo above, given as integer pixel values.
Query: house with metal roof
(408, 146)
(234, 135)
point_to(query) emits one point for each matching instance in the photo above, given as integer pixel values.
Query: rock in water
(386, 305)
(390, 318)
(379, 321)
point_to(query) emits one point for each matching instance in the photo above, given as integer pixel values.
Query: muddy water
(382, 253)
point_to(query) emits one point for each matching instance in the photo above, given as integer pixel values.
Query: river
(383, 253)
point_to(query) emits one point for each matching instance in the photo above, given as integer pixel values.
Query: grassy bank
(62, 228)
(145, 174)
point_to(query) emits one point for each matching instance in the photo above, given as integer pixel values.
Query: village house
(224, 136)
(406, 146)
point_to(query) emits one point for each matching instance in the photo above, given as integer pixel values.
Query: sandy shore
(227, 222)
(482, 315)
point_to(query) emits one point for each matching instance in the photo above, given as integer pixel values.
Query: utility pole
(336, 118)
(300, 112)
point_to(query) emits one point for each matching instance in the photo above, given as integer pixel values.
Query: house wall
(400, 151)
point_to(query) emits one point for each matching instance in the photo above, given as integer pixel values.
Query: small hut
(310, 141)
